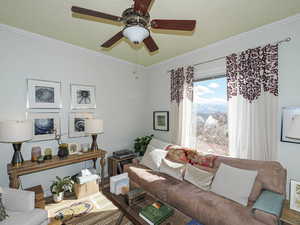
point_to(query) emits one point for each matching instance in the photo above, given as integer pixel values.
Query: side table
(289, 216)
(115, 165)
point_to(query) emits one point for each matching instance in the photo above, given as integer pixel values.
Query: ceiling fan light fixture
(136, 34)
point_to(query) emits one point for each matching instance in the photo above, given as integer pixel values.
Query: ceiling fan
(136, 22)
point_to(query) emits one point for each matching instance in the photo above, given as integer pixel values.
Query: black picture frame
(156, 126)
(286, 113)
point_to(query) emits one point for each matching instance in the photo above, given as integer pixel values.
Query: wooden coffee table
(132, 212)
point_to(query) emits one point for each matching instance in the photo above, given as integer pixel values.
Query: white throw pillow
(172, 169)
(152, 159)
(198, 177)
(156, 143)
(233, 183)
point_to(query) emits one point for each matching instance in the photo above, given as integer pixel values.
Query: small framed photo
(83, 96)
(161, 120)
(74, 148)
(287, 118)
(43, 94)
(45, 125)
(295, 195)
(77, 124)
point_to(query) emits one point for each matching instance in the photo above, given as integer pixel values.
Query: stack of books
(156, 213)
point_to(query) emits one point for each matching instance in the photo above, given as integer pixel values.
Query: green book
(156, 213)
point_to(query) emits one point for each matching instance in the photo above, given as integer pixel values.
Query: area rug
(92, 210)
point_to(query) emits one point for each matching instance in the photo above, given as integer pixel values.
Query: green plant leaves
(62, 185)
(141, 143)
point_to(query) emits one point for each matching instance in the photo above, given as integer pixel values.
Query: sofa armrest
(269, 202)
(18, 200)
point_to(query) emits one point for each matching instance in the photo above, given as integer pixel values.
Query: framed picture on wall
(74, 148)
(45, 125)
(295, 195)
(43, 94)
(83, 96)
(77, 124)
(161, 120)
(288, 116)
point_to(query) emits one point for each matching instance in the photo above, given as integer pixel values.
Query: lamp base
(94, 146)
(17, 159)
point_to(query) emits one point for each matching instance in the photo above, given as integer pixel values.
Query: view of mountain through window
(210, 110)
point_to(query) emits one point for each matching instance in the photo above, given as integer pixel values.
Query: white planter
(58, 197)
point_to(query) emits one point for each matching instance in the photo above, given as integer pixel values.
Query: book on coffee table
(156, 213)
(194, 222)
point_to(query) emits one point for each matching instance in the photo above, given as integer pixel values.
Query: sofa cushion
(154, 182)
(198, 177)
(208, 207)
(18, 200)
(271, 175)
(266, 218)
(152, 158)
(173, 169)
(33, 217)
(233, 183)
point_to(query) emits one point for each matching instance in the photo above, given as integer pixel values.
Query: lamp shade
(93, 126)
(15, 131)
(294, 128)
(136, 34)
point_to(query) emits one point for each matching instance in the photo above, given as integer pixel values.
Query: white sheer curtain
(253, 103)
(182, 105)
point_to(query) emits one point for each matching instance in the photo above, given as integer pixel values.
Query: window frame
(212, 78)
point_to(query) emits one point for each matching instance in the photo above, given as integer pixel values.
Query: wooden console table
(29, 167)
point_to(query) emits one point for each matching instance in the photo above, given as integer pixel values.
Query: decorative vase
(58, 197)
(48, 154)
(63, 151)
(36, 152)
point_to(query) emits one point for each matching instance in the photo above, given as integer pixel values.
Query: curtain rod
(223, 57)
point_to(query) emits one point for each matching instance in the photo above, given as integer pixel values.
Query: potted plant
(141, 143)
(59, 186)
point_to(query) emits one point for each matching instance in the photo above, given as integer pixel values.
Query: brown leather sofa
(206, 206)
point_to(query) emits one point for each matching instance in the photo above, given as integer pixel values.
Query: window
(210, 112)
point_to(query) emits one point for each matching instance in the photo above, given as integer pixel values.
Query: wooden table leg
(94, 161)
(102, 164)
(14, 181)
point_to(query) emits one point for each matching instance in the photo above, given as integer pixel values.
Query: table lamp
(293, 130)
(16, 132)
(94, 127)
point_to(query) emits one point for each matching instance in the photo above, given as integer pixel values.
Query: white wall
(289, 72)
(120, 94)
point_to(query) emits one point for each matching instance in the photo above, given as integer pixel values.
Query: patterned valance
(253, 71)
(182, 83)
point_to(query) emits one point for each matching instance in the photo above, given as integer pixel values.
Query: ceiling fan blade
(185, 25)
(90, 12)
(142, 6)
(113, 40)
(150, 44)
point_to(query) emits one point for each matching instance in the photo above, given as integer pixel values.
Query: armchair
(19, 206)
